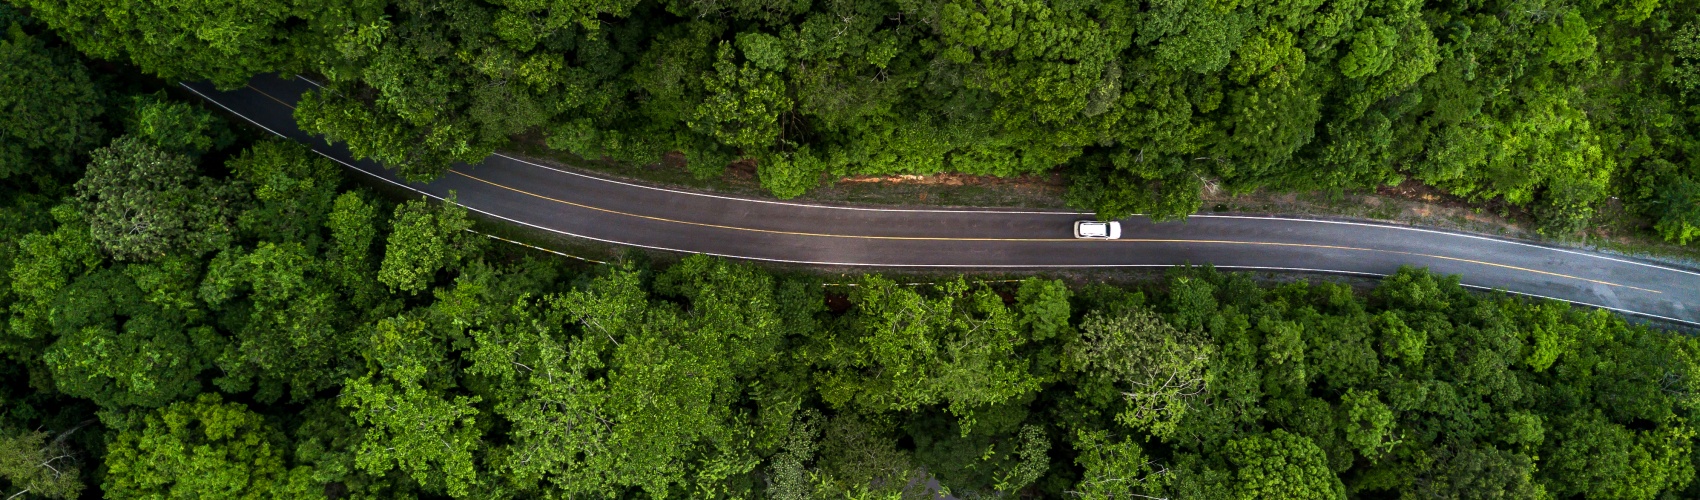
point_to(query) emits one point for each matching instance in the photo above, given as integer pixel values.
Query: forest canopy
(1555, 106)
(188, 309)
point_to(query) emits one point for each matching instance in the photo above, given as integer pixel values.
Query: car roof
(1094, 228)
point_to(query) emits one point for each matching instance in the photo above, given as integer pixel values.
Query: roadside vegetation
(1555, 107)
(192, 310)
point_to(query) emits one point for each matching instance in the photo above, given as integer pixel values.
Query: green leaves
(1270, 53)
(1368, 423)
(35, 465)
(175, 126)
(118, 349)
(1158, 371)
(227, 42)
(1116, 468)
(1371, 50)
(1597, 458)
(789, 175)
(951, 346)
(200, 448)
(1681, 220)
(1044, 310)
(1144, 105)
(428, 436)
(48, 107)
(1278, 465)
(294, 189)
(418, 152)
(424, 239)
(1685, 45)
(743, 105)
(45, 264)
(142, 203)
(1568, 38)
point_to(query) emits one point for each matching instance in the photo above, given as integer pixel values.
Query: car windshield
(1094, 229)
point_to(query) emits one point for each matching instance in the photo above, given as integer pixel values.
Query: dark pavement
(588, 206)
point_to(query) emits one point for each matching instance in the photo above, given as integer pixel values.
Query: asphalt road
(588, 206)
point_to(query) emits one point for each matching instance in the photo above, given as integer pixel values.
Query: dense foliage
(1556, 106)
(190, 312)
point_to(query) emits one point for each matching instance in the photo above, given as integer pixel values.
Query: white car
(1094, 230)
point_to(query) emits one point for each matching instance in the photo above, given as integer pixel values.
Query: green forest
(1555, 107)
(194, 310)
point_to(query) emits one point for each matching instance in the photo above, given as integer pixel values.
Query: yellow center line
(269, 96)
(928, 238)
(1128, 240)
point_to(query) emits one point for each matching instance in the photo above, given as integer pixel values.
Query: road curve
(587, 206)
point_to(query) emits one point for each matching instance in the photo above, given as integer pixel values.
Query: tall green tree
(39, 464)
(424, 240)
(48, 106)
(201, 448)
(142, 203)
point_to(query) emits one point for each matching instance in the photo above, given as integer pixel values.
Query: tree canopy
(1555, 106)
(196, 310)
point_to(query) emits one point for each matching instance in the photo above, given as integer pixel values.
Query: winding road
(597, 208)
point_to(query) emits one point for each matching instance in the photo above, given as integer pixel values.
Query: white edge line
(981, 211)
(534, 247)
(232, 111)
(788, 203)
(974, 210)
(749, 200)
(1449, 233)
(786, 261)
(961, 266)
(1066, 213)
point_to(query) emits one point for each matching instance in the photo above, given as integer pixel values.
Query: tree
(1685, 44)
(1371, 52)
(142, 203)
(222, 41)
(201, 448)
(426, 435)
(294, 190)
(1275, 465)
(1044, 309)
(911, 350)
(176, 126)
(1157, 370)
(44, 265)
(424, 240)
(284, 319)
(788, 475)
(48, 106)
(1116, 469)
(407, 411)
(1681, 206)
(39, 464)
(1597, 458)
(118, 348)
(1033, 461)
(1368, 423)
(743, 107)
(353, 229)
(418, 153)
(1483, 472)
(860, 459)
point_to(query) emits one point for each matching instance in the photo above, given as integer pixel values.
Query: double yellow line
(940, 238)
(1128, 240)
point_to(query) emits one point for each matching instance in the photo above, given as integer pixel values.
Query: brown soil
(1048, 181)
(1409, 203)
